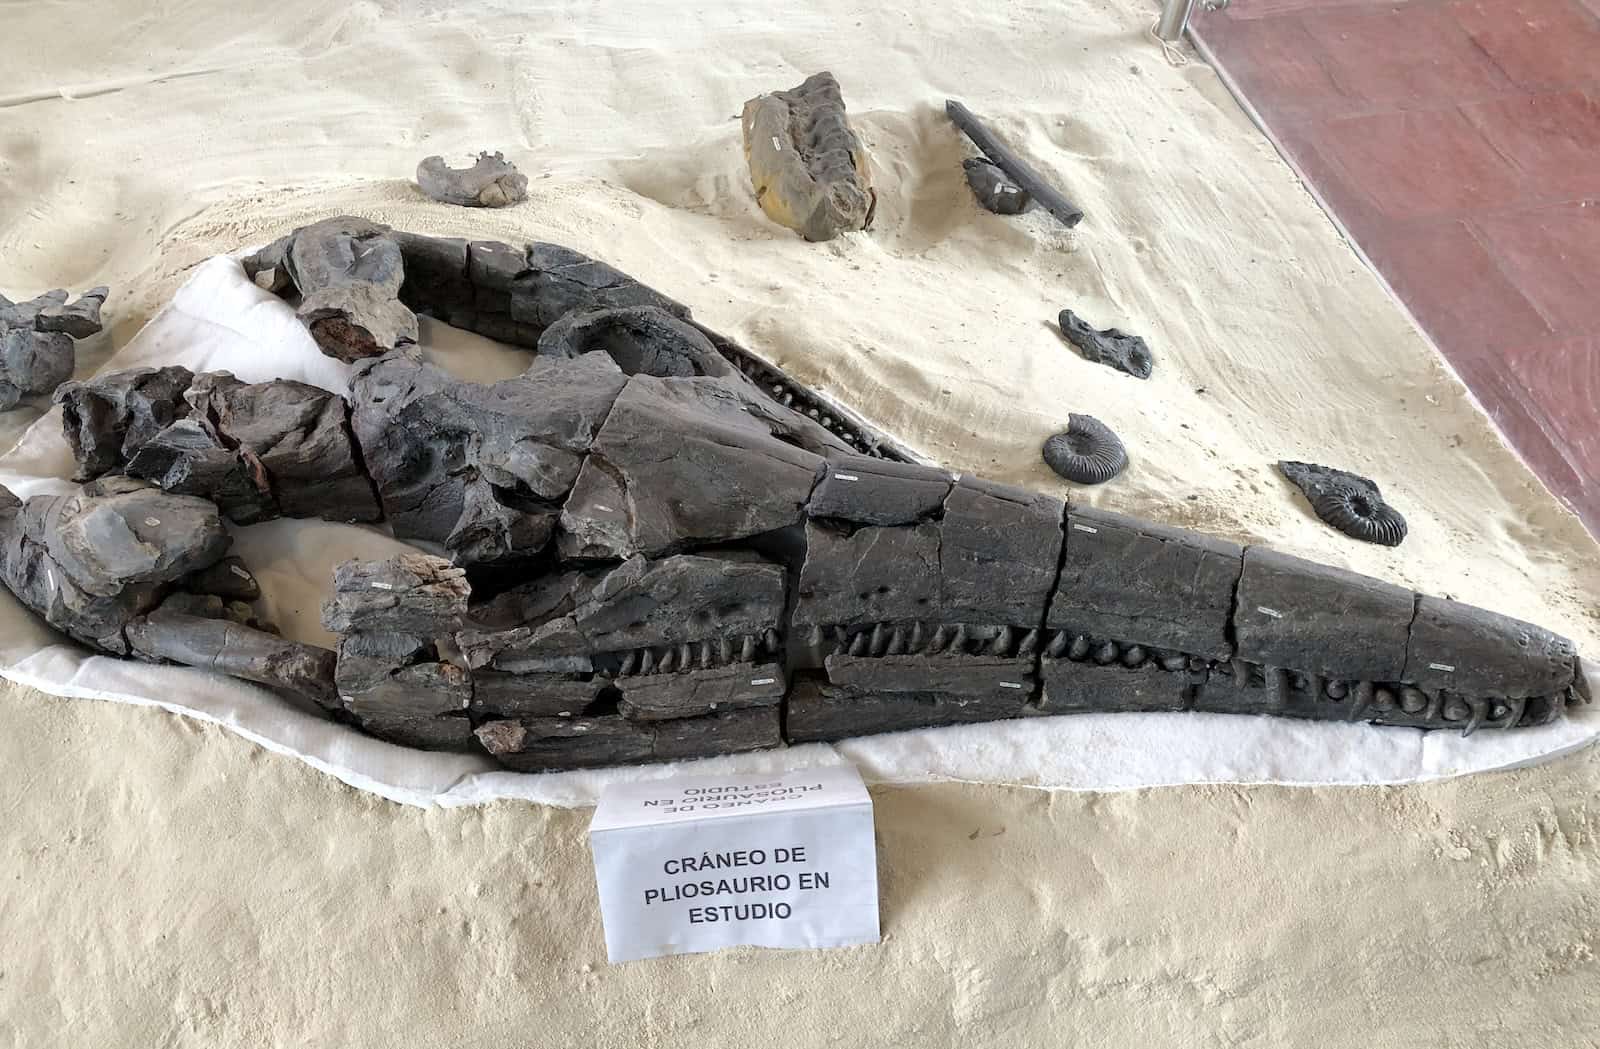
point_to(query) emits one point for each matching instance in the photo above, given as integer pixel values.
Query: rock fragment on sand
(808, 165)
(1111, 347)
(491, 182)
(995, 190)
(1350, 503)
(36, 341)
(349, 275)
(1087, 452)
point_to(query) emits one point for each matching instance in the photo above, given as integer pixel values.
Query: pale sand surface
(168, 884)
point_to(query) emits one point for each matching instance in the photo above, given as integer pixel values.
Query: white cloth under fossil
(219, 320)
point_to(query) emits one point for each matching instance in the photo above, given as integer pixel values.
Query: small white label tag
(1010, 684)
(763, 680)
(776, 860)
(1446, 667)
(382, 586)
(1087, 528)
(1273, 612)
(846, 477)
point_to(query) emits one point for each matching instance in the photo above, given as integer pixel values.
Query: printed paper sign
(694, 864)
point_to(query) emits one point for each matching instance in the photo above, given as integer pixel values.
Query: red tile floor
(1458, 142)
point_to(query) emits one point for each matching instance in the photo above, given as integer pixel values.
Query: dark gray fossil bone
(491, 182)
(1350, 503)
(1113, 348)
(36, 341)
(808, 166)
(1087, 451)
(995, 190)
(662, 566)
(349, 275)
(1020, 173)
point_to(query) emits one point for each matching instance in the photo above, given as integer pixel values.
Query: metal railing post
(1174, 19)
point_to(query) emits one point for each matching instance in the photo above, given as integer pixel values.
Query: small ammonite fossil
(1087, 452)
(1349, 502)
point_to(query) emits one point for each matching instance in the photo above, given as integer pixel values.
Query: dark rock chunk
(808, 166)
(1475, 652)
(80, 320)
(397, 689)
(500, 695)
(870, 575)
(1349, 502)
(211, 643)
(228, 579)
(299, 435)
(544, 744)
(1320, 619)
(642, 340)
(491, 182)
(268, 268)
(1079, 687)
(107, 419)
(91, 562)
(548, 281)
(999, 550)
(479, 468)
(1116, 349)
(349, 273)
(32, 363)
(1088, 451)
(863, 490)
(663, 697)
(188, 458)
(995, 190)
(638, 604)
(721, 476)
(408, 594)
(1136, 581)
(820, 713)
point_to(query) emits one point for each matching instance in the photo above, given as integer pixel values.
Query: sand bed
(354, 920)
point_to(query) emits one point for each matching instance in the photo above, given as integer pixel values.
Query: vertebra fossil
(653, 566)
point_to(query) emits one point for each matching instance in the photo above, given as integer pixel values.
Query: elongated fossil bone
(651, 566)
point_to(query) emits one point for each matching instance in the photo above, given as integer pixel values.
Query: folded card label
(776, 860)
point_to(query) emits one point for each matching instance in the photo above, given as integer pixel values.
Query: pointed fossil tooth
(897, 642)
(1383, 699)
(1002, 642)
(707, 656)
(1079, 650)
(1336, 690)
(1133, 656)
(777, 389)
(630, 662)
(1057, 645)
(1517, 706)
(958, 642)
(1480, 710)
(1029, 643)
(1173, 661)
(1413, 700)
(1364, 693)
(788, 400)
(858, 645)
(813, 412)
(685, 656)
(918, 637)
(1278, 678)
(725, 650)
(827, 420)
(941, 638)
(747, 649)
(772, 641)
(1106, 654)
(815, 640)
(668, 661)
(880, 638)
(647, 662)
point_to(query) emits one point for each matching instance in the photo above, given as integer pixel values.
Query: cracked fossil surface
(656, 546)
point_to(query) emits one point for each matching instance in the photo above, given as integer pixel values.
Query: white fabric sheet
(220, 320)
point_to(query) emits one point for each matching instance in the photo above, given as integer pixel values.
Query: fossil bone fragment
(995, 190)
(37, 353)
(491, 182)
(808, 165)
